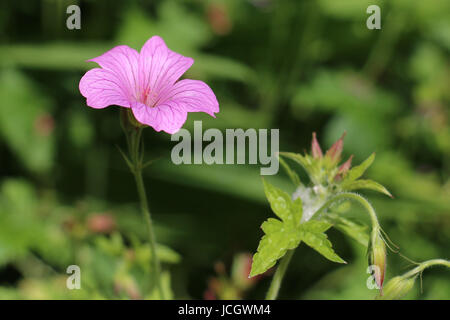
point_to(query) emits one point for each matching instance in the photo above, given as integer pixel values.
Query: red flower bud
(101, 223)
(219, 19)
(377, 259)
(44, 125)
(345, 166)
(334, 153)
(219, 267)
(209, 295)
(315, 147)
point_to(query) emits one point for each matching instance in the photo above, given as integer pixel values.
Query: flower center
(149, 98)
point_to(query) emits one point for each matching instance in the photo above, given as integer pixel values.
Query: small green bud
(397, 288)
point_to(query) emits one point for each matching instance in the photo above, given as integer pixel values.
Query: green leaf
(278, 239)
(317, 226)
(278, 199)
(313, 236)
(289, 211)
(223, 68)
(27, 226)
(54, 56)
(312, 167)
(356, 231)
(166, 287)
(271, 225)
(26, 123)
(291, 173)
(297, 210)
(365, 184)
(280, 236)
(358, 171)
(302, 160)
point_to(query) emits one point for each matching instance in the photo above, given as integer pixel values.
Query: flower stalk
(133, 134)
(399, 286)
(377, 246)
(426, 264)
(354, 197)
(275, 285)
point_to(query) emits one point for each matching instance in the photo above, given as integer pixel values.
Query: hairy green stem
(355, 197)
(134, 145)
(362, 201)
(275, 285)
(422, 266)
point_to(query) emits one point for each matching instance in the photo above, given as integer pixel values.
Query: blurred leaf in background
(26, 123)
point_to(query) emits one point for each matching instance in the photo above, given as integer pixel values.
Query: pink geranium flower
(147, 82)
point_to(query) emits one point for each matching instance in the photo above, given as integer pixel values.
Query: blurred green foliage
(301, 66)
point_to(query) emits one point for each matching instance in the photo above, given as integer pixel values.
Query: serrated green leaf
(271, 225)
(278, 239)
(365, 184)
(289, 211)
(319, 241)
(278, 199)
(358, 171)
(280, 236)
(316, 226)
(297, 210)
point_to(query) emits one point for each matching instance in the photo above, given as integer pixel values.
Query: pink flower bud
(315, 147)
(127, 285)
(344, 168)
(377, 259)
(44, 125)
(334, 153)
(219, 19)
(209, 295)
(101, 223)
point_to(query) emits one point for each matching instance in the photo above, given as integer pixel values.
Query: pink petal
(192, 95)
(103, 88)
(168, 117)
(122, 62)
(160, 67)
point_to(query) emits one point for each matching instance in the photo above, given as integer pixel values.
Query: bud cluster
(332, 181)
